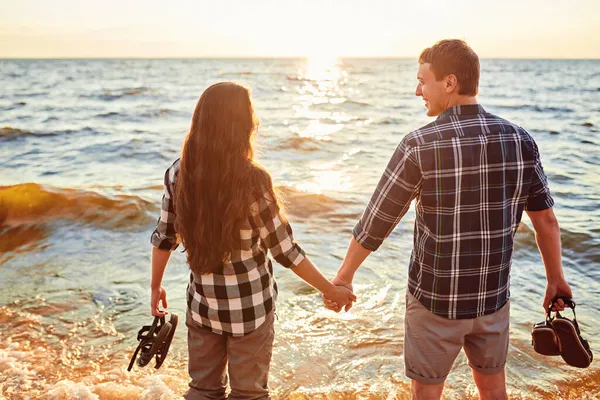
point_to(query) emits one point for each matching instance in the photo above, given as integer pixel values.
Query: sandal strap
(137, 350)
(569, 302)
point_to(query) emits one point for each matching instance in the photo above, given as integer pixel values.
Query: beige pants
(247, 359)
(432, 343)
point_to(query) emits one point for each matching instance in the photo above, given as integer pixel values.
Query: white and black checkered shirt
(472, 175)
(236, 300)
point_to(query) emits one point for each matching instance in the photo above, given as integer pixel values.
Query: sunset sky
(272, 28)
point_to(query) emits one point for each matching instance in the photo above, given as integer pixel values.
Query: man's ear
(451, 83)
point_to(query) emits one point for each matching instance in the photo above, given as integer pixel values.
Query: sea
(84, 144)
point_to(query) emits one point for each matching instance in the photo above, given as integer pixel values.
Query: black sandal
(155, 340)
(574, 349)
(163, 350)
(543, 338)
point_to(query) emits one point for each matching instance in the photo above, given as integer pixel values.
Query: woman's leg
(207, 362)
(249, 361)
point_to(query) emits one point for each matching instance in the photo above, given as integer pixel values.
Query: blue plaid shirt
(472, 175)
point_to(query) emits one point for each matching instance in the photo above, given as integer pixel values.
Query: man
(472, 175)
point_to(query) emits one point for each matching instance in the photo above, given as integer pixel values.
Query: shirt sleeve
(397, 187)
(164, 236)
(275, 232)
(539, 197)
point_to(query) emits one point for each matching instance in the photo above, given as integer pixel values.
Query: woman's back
(237, 295)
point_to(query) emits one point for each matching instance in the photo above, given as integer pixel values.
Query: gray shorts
(432, 343)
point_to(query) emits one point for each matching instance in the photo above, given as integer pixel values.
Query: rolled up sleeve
(397, 187)
(165, 236)
(539, 197)
(276, 232)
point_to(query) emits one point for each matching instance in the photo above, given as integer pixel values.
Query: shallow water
(84, 145)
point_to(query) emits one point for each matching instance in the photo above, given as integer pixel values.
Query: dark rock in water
(21, 103)
(554, 133)
(588, 124)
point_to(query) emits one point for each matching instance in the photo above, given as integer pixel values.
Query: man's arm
(355, 256)
(547, 235)
(397, 187)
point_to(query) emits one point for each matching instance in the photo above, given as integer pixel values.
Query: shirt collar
(464, 109)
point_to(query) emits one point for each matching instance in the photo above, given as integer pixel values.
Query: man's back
(472, 174)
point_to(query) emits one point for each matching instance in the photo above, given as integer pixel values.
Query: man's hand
(159, 295)
(553, 289)
(333, 305)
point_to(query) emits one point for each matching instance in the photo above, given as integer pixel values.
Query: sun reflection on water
(323, 68)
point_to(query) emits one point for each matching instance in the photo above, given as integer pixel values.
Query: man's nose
(418, 91)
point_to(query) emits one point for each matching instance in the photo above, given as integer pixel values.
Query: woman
(220, 203)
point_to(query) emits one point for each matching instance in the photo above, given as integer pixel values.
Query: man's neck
(462, 101)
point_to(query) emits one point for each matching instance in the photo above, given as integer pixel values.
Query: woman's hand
(158, 295)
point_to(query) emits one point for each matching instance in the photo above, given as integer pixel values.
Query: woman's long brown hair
(218, 177)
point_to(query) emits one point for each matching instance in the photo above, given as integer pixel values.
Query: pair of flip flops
(155, 341)
(558, 335)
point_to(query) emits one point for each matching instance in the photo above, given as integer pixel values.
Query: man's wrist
(555, 278)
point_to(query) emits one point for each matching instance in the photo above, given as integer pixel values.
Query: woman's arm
(160, 258)
(309, 273)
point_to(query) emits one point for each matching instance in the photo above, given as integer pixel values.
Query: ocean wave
(532, 108)
(8, 133)
(91, 353)
(21, 239)
(138, 116)
(110, 95)
(356, 102)
(13, 106)
(234, 73)
(157, 113)
(298, 78)
(300, 143)
(390, 121)
(31, 203)
(310, 205)
(111, 114)
(337, 103)
(153, 187)
(579, 245)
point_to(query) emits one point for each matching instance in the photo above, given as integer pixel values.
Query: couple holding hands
(471, 173)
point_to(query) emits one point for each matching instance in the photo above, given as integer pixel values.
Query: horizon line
(296, 57)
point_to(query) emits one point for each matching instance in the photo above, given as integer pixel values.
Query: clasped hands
(340, 297)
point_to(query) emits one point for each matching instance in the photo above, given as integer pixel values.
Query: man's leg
(422, 391)
(486, 348)
(491, 386)
(431, 344)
